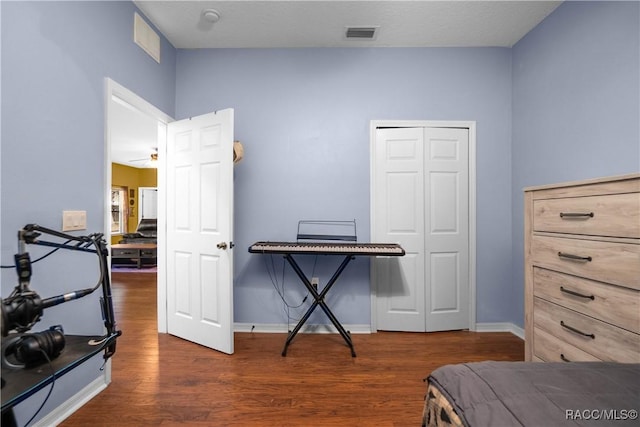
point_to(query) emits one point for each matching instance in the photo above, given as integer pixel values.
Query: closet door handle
(586, 215)
(577, 294)
(577, 331)
(574, 257)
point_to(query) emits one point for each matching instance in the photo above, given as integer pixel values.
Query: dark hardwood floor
(161, 380)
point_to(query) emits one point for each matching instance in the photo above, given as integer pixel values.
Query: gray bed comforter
(542, 394)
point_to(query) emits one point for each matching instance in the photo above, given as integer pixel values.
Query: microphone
(50, 302)
(20, 312)
(23, 310)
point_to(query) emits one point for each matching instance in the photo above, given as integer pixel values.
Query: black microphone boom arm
(23, 308)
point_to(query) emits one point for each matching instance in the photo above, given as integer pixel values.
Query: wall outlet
(74, 220)
(314, 283)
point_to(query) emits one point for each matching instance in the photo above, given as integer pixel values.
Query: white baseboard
(360, 329)
(500, 327)
(75, 402)
(283, 329)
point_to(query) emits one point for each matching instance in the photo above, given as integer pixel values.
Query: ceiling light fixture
(211, 15)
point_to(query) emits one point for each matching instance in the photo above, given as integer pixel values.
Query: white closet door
(399, 218)
(420, 194)
(447, 228)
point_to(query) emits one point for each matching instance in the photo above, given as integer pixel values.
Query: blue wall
(303, 116)
(576, 105)
(561, 105)
(55, 57)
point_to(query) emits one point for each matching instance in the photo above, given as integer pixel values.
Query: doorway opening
(135, 130)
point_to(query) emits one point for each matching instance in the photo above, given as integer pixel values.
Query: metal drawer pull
(576, 215)
(577, 331)
(577, 294)
(574, 257)
(564, 359)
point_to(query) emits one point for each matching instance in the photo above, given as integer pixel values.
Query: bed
(533, 394)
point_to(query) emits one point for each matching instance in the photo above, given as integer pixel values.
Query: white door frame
(113, 89)
(471, 125)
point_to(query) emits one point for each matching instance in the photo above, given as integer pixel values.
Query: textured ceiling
(307, 23)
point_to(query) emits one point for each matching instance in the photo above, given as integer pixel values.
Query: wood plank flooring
(161, 380)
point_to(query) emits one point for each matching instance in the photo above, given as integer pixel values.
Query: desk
(138, 252)
(349, 250)
(21, 383)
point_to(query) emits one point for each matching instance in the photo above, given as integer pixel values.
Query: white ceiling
(133, 135)
(308, 23)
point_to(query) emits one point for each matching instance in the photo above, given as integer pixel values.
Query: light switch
(74, 220)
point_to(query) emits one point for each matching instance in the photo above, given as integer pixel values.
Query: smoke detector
(211, 15)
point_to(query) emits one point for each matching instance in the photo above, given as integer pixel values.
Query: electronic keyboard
(326, 248)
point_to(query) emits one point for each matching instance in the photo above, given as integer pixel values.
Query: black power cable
(39, 259)
(53, 383)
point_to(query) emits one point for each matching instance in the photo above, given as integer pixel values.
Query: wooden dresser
(582, 271)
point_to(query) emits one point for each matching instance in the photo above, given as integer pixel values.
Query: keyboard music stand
(315, 243)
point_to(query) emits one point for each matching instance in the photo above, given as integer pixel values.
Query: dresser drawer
(611, 262)
(551, 349)
(612, 304)
(614, 215)
(603, 341)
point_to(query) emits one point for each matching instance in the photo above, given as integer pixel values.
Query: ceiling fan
(151, 161)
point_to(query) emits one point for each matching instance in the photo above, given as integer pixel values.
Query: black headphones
(28, 350)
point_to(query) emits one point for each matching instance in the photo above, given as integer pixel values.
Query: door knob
(222, 245)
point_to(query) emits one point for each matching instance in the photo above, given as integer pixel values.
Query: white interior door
(148, 197)
(420, 193)
(199, 200)
(446, 241)
(399, 218)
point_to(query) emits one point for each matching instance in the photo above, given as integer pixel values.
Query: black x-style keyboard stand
(311, 241)
(319, 301)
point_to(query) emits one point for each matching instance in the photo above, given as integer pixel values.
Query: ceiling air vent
(361, 33)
